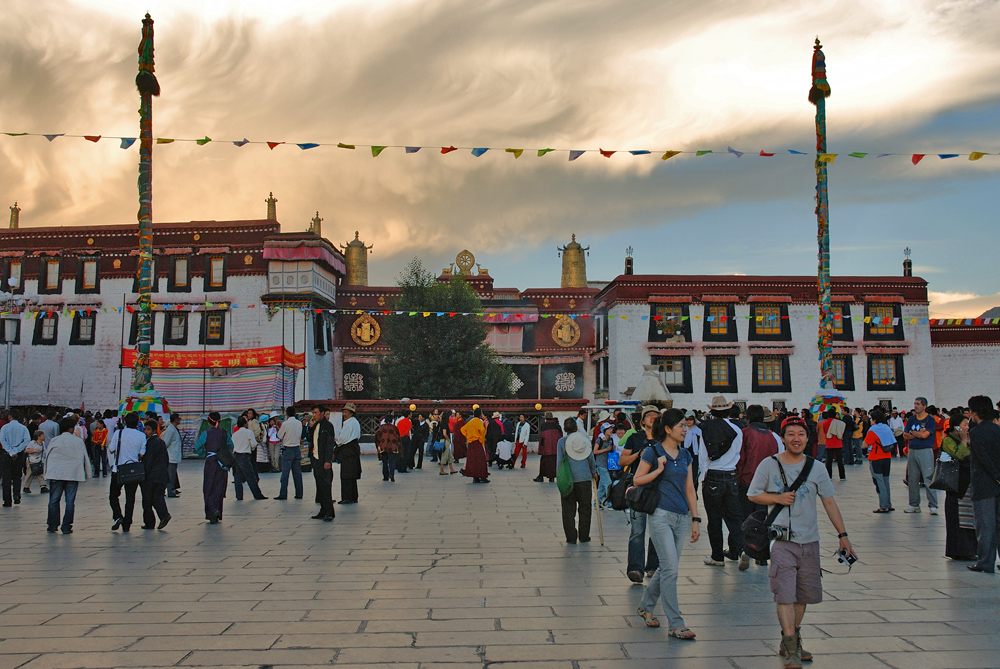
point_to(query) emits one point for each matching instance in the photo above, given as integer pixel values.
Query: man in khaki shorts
(795, 570)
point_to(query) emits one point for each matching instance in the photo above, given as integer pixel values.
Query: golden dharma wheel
(538, 407)
(413, 407)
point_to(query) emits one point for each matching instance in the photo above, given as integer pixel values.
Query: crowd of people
(656, 464)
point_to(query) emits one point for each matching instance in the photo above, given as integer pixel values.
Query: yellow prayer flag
(976, 155)
(827, 157)
(668, 155)
(517, 152)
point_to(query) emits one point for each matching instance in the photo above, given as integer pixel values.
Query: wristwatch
(695, 519)
(842, 535)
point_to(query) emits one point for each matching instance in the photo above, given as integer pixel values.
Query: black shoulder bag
(130, 472)
(757, 526)
(644, 498)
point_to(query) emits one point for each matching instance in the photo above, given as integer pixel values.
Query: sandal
(648, 618)
(682, 633)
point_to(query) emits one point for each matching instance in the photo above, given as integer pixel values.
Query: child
(605, 444)
(35, 451)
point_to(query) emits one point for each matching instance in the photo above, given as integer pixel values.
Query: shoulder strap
(796, 484)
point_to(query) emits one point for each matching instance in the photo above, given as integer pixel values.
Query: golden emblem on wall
(381, 301)
(365, 331)
(248, 259)
(572, 303)
(545, 303)
(117, 263)
(566, 332)
(465, 260)
(353, 301)
(90, 241)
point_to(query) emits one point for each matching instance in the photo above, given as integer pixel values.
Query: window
(10, 331)
(675, 372)
(885, 372)
(175, 331)
(769, 322)
(720, 322)
(133, 336)
(49, 280)
(87, 276)
(215, 273)
(13, 271)
(884, 322)
(82, 333)
(720, 374)
(152, 278)
(771, 374)
(843, 372)
(842, 326)
(669, 322)
(213, 328)
(46, 329)
(179, 280)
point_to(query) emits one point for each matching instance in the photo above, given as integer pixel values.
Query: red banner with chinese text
(253, 357)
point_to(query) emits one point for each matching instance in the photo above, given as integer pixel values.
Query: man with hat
(494, 434)
(723, 441)
(629, 461)
(548, 438)
(577, 448)
(348, 454)
(322, 443)
(758, 443)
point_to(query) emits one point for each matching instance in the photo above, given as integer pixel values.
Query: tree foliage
(438, 356)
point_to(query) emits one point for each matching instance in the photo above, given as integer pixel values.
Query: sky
(907, 76)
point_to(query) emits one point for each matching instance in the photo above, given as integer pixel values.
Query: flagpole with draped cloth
(142, 396)
(828, 395)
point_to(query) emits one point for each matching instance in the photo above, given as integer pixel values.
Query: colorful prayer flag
(917, 157)
(542, 152)
(127, 142)
(517, 152)
(307, 145)
(668, 155)
(203, 141)
(377, 150)
(341, 145)
(639, 153)
(606, 154)
(164, 140)
(479, 152)
(857, 154)
(413, 149)
(739, 154)
(976, 155)
(767, 155)
(271, 145)
(92, 138)
(51, 137)
(702, 153)
(448, 149)
(241, 142)
(573, 155)
(827, 157)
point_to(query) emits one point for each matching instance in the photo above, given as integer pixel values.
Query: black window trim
(849, 382)
(209, 288)
(846, 323)
(655, 336)
(687, 386)
(897, 328)
(731, 332)
(172, 287)
(203, 331)
(179, 341)
(6, 275)
(786, 377)
(784, 323)
(733, 386)
(43, 277)
(74, 333)
(900, 372)
(80, 290)
(36, 339)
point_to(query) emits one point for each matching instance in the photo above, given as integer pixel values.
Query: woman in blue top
(667, 464)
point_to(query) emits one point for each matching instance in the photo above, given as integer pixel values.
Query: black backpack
(616, 494)
(718, 437)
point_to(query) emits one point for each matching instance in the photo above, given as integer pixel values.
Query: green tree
(438, 356)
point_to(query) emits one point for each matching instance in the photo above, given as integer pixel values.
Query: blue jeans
(604, 485)
(56, 490)
(637, 545)
(880, 475)
(668, 531)
(388, 466)
(291, 461)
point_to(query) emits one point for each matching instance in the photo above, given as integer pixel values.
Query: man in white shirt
(15, 438)
(49, 426)
(692, 442)
(522, 433)
(244, 445)
(126, 446)
(290, 435)
(172, 438)
(717, 462)
(348, 454)
(897, 426)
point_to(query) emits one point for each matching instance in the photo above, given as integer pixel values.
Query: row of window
(88, 278)
(772, 373)
(768, 322)
(83, 329)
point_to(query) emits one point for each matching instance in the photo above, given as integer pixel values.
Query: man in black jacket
(322, 442)
(156, 464)
(418, 439)
(494, 433)
(984, 443)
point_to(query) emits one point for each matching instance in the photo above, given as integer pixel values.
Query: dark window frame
(786, 377)
(784, 323)
(731, 332)
(687, 383)
(203, 338)
(897, 328)
(209, 288)
(900, 383)
(80, 288)
(74, 333)
(168, 339)
(846, 323)
(19, 290)
(172, 286)
(654, 334)
(43, 277)
(848, 383)
(733, 386)
(36, 339)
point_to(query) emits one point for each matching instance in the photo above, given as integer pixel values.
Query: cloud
(564, 74)
(961, 305)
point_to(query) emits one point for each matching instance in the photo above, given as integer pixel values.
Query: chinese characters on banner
(253, 357)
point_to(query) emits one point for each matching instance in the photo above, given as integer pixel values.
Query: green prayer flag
(542, 152)
(857, 154)
(341, 145)
(377, 150)
(701, 153)
(203, 142)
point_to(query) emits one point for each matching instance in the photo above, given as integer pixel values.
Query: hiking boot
(790, 652)
(744, 562)
(804, 654)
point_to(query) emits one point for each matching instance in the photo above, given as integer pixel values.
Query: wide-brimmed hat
(349, 406)
(496, 414)
(719, 403)
(603, 416)
(649, 408)
(263, 417)
(577, 446)
(768, 415)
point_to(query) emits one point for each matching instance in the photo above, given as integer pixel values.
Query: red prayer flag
(448, 149)
(765, 154)
(917, 157)
(606, 154)
(92, 138)
(271, 145)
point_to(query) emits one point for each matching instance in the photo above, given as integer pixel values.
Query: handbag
(564, 478)
(757, 526)
(130, 472)
(36, 468)
(437, 447)
(945, 476)
(644, 498)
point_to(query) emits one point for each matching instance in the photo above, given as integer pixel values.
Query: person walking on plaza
(156, 463)
(759, 443)
(459, 447)
(605, 444)
(244, 470)
(35, 467)
(960, 543)
(442, 434)
(474, 432)
(419, 434)
(881, 442)
(127, 446)
(290, 437)
(984, 446)
(172, 438)
(795, 575)
(918, 434)
(668, 465)
(66, 463)
(99, 444)
(322, 442)
(49, 426)
(576, 446)
(494, 433)
(14, 438)
(405, 426)
(522, 435)
(723, 441)
(834, 429)
(548, 438)
(218, 447)
(387, 445)
(640, 558)
(896, 424)
(348, 454)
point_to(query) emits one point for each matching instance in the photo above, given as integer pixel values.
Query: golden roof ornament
(574, 264)
(356, 257)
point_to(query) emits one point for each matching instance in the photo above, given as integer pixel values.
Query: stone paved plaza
(436, 571)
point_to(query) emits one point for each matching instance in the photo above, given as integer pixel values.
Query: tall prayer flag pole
(818, 94)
